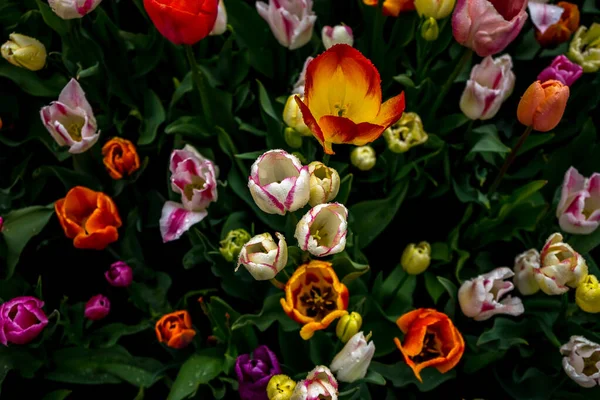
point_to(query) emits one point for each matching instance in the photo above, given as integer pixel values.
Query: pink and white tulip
(319, 384)
(561, 267)
(480, 297)
(279, 182)
(70, 120)
(581, 362)
(544, 15)
(291, 21)
(490, 84)
(322, 231)
(221, 22)
(70, 9)
(488, 26)
(526, 265)
(339, 34)
(578, 211)
(262, 257)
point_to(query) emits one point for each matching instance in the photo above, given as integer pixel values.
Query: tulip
(322, 230)
(336, 35)
(526, 266)
(221, 21)
(292, 116)
(490, 84)
(582, 361)
(70, 120)
(543, 105)
(352, 362)
(291, 21)
(183, 22)
(97, 308)
(319, 384)
(120, 157)
(342, 99)
(262, 257)
(280, 387)
(587, 295)
(119, 274)
(393, 7)
(299, 85)
(544, 15)
(585, 48)
(1, 224)
(363, 158)
(324, 183)
(254, 373)
(21, 320)
(562, 70)
(24, 51)
(279, 183)
(578, 210)
(430, 29)
(70, 9)
(561, 267)
(416, 258)
(488, 26)
(406, 133)
(348, 326)
(437, 9)
(175, 329)
(232, 245)
(558, 30)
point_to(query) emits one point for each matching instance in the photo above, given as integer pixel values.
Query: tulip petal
(551, 110)
(175, 220)
(544, 15)
(73, 96)
(531, 100)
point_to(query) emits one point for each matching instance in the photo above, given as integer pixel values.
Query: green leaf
(154, 115)
(271, 312)
(585, 243)
(19, 359)
(58, 24)
(506, 333)
(108, 335)
(452, 291)
(346, 269)
(345, 188)
(31, 83)
(193, 127)
(250, 156)
(489, 142)
(68, 177)
(265, 102)
(199, 369)
(433, 286)
(60, 394)
(401, 375)
(19, 227)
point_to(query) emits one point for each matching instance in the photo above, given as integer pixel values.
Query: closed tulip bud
(587, 295)
(430, 29)
(581, 362)
(526, 265)
(119, 274)
(543, 105)
(348, 326)
(319, 384)
(233, 244)
(563, 70)
(24, 51)
(280, 387)
(585, 48)
(324, 183)
(336, 35)
(322, 230)
(416, 258)
(406, 133)
(363, 158)
(437, 9)
(561, 267)
(291, 21)
(292, 138)
(262, 257)
(292, 116)
(352, 362)
(221, 22)
(97, 307)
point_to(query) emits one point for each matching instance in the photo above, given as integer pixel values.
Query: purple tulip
(97, 307)
(21, 320)
(563, 70)
(119, 274)
(255, 372)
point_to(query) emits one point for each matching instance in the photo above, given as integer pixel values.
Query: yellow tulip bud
(280, 387)
(363, 158)
(587, 295)
(292, 138)
(416, 259)
(348, 326)
(292, 116)
(437, 9)
(406, 133)
(430, 29)
(324, 183)
(24, 51)
(233, 243)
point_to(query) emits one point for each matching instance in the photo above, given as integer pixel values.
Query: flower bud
(175, 329)
(119, 274)
(120, 157)
(322, 230)
(324, 183)
(24, 51)
(563, 70)
(336, 35)
(526, 265)
(262, 257)
(352, 362)
(561, 267)
(406, 133)
(416, 258)
(348, 326)
(292, 116)
(363, 158)
(221, 22)
(587, 295)
(1, 224)
(280, 387)
(430, 29)
(233, 243)
(436, 9)
(292, 138)
(543, 105)
(97, 307)
(585, 48)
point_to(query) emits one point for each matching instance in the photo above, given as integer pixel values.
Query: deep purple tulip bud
(254, 373)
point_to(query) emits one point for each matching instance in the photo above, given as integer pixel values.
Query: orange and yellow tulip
(342, 99)
(393, 7)
(543, 105)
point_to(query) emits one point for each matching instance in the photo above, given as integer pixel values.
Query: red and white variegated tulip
(561, 267)
(70, 9)
(291, 21)
(322, 230)
(332, 35)
(70, 120)
(579, 208)
(319, 384)
(279, 182)
(481, 297)
(544, 15)
(262, 257)
(581, 361)
(525, 266)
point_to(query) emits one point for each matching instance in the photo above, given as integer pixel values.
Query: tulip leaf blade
(154, 116)
(401, 375)
(271, 312)
(60, 394)
(31, 83)
(199, 369)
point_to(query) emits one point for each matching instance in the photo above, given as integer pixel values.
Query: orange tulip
(543, 105)
(430, 340)
(120, 157)
(175, 329)
(561, 31)
(315, 297)
(90, 218)
(342, 99)
(393, 7)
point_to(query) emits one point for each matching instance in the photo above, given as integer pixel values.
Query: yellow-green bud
(233, 243)
(25, 52)
(406, 133)
(363, 158)
(416, 258)
(292, 138)
(280, 387)
(587, 295)
(348, 326)
(292, 116)
(430, 29)
(324, 183)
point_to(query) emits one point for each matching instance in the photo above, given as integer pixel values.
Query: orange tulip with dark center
(393, 7)
(175, 329)
(89, 218)
(430, 340)
(342, 99)
(561, 31)
(315, 297)
(120, 157)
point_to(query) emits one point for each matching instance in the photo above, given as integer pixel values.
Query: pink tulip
(579, 208)
(563, 70)
(21, 320)
(291, 21)
(97, 307)
(119, 274)
(488, 26)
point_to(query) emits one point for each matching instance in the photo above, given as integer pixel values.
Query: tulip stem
(466, 57)
(200, 84)
(509, 160)
(277, 284)
(326, 158)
